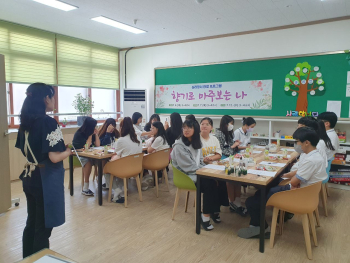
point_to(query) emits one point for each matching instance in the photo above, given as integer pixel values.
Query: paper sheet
(50, 259)
(348, 78)
(257, 151)
(273, 164)
(278, 155)
(235, 160)
(98, 148)
(288, 150)
(334, 106)
(215, 167)
(348, 90)
(263, 173)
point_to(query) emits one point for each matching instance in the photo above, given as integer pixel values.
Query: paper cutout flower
(286, 88)
(287, 80)
(321, 88)
(319, 74)
(303, 81)
(296, 82)
(294, 93)
(316, 68)
(319, 81)
(312, 92)
(305, 70)
(311, 81)
(297, 69)
(292, 73)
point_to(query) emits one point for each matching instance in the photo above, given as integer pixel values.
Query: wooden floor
(144, 232)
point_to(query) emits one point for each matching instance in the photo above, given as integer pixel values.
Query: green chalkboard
(333, 67)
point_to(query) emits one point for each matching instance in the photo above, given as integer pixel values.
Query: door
(5, 186)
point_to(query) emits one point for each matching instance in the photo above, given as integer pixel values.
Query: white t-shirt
(138, 131)
(125, 146)
(333, 136)
(211, 146)
(244, 138)
(157, 144)
(321, 146)
(312, 169)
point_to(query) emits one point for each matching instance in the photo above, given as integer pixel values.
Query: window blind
(86, 64)
(30, 54)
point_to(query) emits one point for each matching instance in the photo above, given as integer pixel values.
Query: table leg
(71, 170)
(198, 205)
(262, 219)
(100, 172)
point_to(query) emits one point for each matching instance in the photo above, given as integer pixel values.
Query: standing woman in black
(41, 142)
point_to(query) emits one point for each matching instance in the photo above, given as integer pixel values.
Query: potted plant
(83, 106)
(64, 123)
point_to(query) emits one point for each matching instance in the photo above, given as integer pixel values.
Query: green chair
(184, 184)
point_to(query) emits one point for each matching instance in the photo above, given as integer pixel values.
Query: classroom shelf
(259, 137)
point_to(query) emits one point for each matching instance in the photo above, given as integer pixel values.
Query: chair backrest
(76, 162)
(328, 170)
(125, 167)
(182, 180)
(156, 161)
(298, 201)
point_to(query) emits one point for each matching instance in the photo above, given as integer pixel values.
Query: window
(66, 96)
(19, 94)
(104, 101)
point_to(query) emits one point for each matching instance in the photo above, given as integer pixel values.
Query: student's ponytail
(323, 135)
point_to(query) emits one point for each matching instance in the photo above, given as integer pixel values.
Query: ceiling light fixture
(110, 22)
(57, 4)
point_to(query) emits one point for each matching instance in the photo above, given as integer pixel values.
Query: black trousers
(214, 195)
(35, 234)
(253, 203)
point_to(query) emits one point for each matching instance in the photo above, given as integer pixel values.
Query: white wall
(333, 36)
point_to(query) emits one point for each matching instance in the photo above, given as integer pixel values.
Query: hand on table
(235, 144)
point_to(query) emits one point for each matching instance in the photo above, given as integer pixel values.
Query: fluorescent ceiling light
(57, 4)
(116, 24)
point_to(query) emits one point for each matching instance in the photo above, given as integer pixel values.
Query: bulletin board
(271, 87)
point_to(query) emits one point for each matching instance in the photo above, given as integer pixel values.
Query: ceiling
(168, 20)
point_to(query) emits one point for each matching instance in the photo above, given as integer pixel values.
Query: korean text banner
(254, 94)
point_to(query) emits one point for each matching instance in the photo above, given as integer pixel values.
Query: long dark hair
(135, 117)
(34, 104)
(103, 130)
(128, 128)
(154, 116)
(225, 120)
(161, 131)
(176, 124)
(88, 126)
(196, 139)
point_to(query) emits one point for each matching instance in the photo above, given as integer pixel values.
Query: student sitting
(108, 132)
(243, 134)
(211, 150)
(86, 134)
(225, 136)
(127, 144)
(136, 120)
(330, 120)
(158, 142)
(311, 170)
(154, 118)
(187, 157)
(175, 130)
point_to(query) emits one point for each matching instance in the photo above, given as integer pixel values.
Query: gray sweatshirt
(183, 159)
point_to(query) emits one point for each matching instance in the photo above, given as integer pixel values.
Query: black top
(147, 127)
(44, 136)
(106, 139)
(79, 140)
(171, 137)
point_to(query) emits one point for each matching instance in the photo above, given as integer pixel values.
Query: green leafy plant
(83, 105)
(64, 121)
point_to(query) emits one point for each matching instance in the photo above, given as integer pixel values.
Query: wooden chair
(157, 161)
(125, 168)
(184, 184)
(301, 201)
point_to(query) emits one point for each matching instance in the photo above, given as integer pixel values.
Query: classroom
(174, 131)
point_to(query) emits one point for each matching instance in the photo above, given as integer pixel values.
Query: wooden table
(98, 159)
(43, 253)
(260, 182)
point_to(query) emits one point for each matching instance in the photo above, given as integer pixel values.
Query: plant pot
(80, 120)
